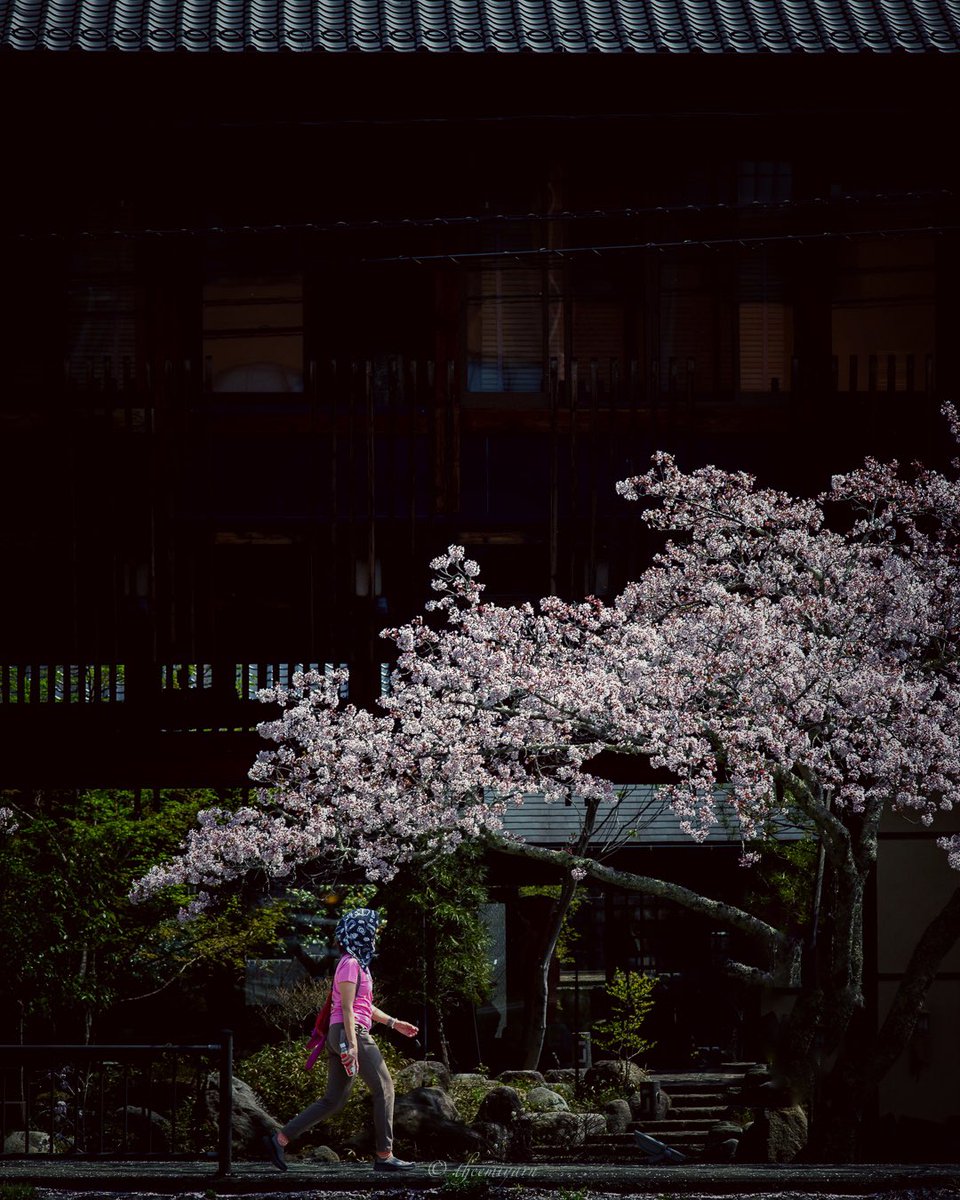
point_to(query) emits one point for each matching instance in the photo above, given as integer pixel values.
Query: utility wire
(745, 240)
(373, 225)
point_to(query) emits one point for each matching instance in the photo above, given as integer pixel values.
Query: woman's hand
(406, 1028)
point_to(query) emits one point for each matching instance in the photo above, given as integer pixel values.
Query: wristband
(392, 1022)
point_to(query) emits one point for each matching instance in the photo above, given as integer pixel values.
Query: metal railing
(116, 1102)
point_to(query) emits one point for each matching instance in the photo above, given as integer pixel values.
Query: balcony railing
(106, 683)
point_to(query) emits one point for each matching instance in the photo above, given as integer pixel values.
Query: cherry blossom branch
(774, 941)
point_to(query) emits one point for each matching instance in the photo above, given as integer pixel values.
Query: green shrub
(17, 1191)
(469, 1096)
(277, 1075)
(631, 1001)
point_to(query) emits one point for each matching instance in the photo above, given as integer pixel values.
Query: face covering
(356, 932)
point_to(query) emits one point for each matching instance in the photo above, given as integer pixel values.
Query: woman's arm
(348, 990)
(403, 1027)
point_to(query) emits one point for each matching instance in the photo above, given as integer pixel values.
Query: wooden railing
(105, 683)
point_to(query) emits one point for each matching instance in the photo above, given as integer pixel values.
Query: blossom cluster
(796, 663)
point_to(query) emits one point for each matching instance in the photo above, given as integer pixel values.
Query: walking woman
(351, 1016)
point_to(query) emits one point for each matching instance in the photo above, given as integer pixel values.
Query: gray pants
(373, 1071)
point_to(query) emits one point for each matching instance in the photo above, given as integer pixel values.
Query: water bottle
(348, 1066)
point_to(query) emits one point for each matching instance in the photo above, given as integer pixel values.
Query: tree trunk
(439, 1025)
(535, 1018)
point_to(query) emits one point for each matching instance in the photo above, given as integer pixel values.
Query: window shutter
(505, 330)
(765, 328)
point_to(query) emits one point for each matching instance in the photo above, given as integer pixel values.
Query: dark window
(103, 318)
(883, 316)
(253, 333)
(765, 181)
(765, 326)
(696, 351)
(505, 319)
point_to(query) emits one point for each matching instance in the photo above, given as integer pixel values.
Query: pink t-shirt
(348, 968)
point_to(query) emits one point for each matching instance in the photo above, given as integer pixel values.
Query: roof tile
(507, 26)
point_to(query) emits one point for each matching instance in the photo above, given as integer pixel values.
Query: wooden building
(298, 294)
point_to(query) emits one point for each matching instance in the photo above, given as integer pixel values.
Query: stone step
(593, 1152)
(697, 1081)
(671, 1128)
(692, 1143)
(685, 1112)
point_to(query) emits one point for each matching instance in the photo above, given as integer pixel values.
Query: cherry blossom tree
(794, 658)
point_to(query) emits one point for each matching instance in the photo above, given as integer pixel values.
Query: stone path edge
(254, 1178)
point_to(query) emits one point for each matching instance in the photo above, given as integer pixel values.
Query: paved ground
(58, 1178)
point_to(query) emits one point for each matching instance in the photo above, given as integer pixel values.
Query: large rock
(594, 1125)
(721, 1152)
(723, 1141)
(27, 1142)
(565, 1128)
(777, 1135)
(618, 1115)
(428, 1103)
(468, 1079)
(504, 1127)
(421, 1074)
(650, 1103)
(532, 1077)
(502, 1105)
(251, 1121)
(615, 1073)
(497, 1140)
(557, 1128)
(143, 1130)
(321, 1154)
(428, 1117)
(542, 1099)
(507, 1143)
(566, 1075)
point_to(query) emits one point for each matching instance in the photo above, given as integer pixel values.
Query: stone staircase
(699, 1099)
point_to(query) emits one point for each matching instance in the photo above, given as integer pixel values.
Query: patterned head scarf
(356, 931)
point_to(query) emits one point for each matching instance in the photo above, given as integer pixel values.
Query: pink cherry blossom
(796, 656)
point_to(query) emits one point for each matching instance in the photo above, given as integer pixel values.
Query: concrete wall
(913, 884)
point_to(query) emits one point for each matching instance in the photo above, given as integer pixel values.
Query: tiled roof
(541, 26)
(640, 810)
